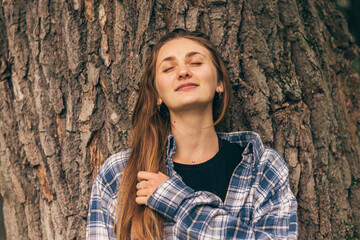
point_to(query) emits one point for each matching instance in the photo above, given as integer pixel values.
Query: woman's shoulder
(110, 172)
(117, 161)
(273, 167)
(273, 157)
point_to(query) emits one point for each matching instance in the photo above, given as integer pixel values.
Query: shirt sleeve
(100, 223)
(200, 215)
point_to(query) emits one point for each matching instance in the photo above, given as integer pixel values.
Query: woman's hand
(148, 183)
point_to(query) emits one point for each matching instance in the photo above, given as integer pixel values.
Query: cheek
(211, 75)
(161, 86)
(212, 82)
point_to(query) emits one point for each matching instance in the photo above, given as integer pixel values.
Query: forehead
(179, 48)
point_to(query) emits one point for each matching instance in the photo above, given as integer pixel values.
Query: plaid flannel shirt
(259, 203)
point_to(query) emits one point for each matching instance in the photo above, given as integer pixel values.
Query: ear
(220, 87)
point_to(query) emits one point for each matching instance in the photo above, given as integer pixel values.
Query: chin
(185, 105)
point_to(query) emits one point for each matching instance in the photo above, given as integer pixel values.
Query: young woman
(181, 179)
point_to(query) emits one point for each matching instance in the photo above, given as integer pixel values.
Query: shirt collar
(251, 141)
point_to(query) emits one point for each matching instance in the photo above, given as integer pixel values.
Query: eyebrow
(171, 58)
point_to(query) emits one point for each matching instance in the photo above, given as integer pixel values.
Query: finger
(143, 175)
(141, 185)
(141, 200)
(160, 173)
(142, 193)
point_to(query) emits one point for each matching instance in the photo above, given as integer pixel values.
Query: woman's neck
(195, 138)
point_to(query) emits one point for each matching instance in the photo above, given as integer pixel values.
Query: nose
(183, 73)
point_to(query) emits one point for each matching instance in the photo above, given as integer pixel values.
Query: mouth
(185, 86)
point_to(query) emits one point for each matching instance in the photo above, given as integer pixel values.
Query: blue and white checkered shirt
(259, 203)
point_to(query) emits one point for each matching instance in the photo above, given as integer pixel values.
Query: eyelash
(168, 69)
(194, 63)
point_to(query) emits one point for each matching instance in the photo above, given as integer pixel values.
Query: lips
(186, 86)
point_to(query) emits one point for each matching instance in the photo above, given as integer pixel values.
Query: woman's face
(185, 78)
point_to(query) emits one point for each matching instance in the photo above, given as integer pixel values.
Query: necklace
(193, 160)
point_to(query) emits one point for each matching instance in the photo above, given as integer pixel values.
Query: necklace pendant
(193, 161)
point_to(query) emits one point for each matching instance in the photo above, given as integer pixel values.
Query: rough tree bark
(70, 75)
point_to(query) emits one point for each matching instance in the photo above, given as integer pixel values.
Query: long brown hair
(150, 129)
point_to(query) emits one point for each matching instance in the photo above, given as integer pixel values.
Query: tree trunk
(69, 78)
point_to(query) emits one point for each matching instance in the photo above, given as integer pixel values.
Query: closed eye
(196, 63)
(168, 69)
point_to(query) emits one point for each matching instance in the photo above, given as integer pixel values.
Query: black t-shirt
(213, 175)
